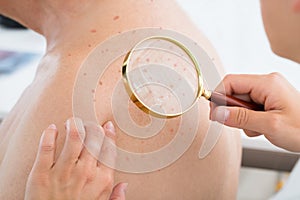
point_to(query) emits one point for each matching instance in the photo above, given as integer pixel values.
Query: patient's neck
(102, 19)
(80, 29)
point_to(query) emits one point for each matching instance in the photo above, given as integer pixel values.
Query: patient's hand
(76, 174)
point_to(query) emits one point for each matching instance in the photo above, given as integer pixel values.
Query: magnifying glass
(163, 78)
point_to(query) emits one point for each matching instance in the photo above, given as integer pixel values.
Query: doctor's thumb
(242, 118)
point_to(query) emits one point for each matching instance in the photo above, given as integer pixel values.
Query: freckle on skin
(100, 83)
(89, 45)
(84, 74)
(148, 60)
(69, 55)
(116, 18)
(93, 91)
(93, 31)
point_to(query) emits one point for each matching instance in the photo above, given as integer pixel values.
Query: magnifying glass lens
(162, 77)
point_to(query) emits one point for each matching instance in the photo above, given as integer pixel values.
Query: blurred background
(235, 29)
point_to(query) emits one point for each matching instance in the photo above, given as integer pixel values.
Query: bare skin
(71, 31)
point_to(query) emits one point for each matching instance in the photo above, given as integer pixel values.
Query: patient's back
(49, 100)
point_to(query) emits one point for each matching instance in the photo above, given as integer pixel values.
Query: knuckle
(74, 134)
(228, 77)
(242, 117)
(47, 147)
(274, 77)
(38, 179)
(274, 124)
(108, 180)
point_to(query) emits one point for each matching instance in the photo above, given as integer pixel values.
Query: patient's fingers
(108, 151)
(46, 152)
(119, 191)
(73, 143)
(92, 144)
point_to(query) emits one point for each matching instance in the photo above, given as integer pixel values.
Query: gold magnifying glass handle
(226, 100)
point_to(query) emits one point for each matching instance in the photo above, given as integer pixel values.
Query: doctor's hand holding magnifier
(279, 123)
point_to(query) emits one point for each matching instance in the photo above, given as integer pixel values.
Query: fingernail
(68, 124)
(110, 126)
(222, 114)
(124, 187)
(52, 127)
(79, 126)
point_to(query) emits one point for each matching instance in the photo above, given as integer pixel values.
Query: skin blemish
(175, 65)
(127, 159)
(171, 130)
(84, 74)
(147, 60)
(93, 31)
(69, 54)
(116, 18)
(89, 45)
(100, 83)
(93, 91)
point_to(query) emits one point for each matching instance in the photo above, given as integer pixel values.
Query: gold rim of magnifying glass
(138, 102)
